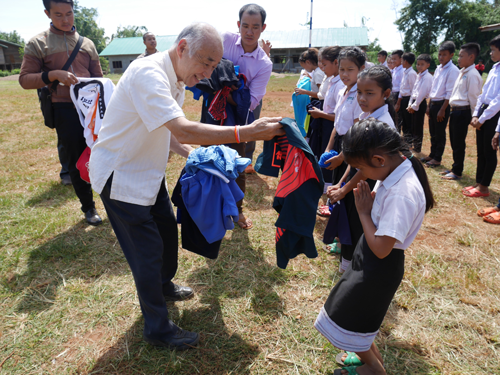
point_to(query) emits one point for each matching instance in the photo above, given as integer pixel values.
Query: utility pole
(311, 25)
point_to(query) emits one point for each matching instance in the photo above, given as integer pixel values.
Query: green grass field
(68, 302)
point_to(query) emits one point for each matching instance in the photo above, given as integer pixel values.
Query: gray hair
(197, 34)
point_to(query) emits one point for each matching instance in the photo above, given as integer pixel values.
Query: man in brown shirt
(150, 43)
(44, 56)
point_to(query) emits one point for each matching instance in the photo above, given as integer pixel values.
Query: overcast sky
(169, 17)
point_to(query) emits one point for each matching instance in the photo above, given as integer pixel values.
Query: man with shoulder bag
(52, 62)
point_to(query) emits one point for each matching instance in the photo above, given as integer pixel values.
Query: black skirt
(356, 307)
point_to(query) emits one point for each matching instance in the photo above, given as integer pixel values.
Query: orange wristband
(237, 134)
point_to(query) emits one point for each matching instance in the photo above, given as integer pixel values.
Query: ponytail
(371, 136)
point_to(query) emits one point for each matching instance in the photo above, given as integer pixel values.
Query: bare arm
(179, 148)
(381, 246)
(190, 132)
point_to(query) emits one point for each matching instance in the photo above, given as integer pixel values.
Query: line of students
(385, 216)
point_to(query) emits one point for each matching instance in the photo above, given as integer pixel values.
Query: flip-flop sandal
(493, 218)
(486, 211)
(451, 176)
(474, 193)
(468, 188)
(351, 359)
(432, 165)
(245, 224)
(351, 370)
(425, 159)
(445, 172)
(333, 248)
(323, 211)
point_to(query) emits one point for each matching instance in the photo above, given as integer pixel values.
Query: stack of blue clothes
(206, 196)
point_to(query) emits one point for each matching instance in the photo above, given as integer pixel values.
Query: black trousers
(437, 130)
(486, 156)
(459, 127)
(406, 120)
(394, 96)
(63, 159)
(418, 126)
(70, 135)
(148, 238)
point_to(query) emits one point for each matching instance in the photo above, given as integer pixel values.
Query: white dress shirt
(421, 89)
(399, 206)
(381, 114)
(408, 81)
(347, 110)
(385, 63)
(324, 87)
(368, 64)
(397, 77)
(317, 78)
(467, 88)
(490, 95)
(133, 144)
(332, 95)
(444, 80)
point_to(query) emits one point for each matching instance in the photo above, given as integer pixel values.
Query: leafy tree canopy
(86, 25)
(13, 37)
(129, 31)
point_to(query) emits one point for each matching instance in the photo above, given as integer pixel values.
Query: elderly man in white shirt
(143, 121)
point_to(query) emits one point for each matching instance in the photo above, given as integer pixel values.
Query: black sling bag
(45, 93)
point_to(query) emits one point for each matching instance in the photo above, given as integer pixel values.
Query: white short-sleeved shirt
(332, 95)
(381, 114)
(133, 144)
(317, 78)
(324, 87)
(399, 206)
(443, 82)
(346, 110)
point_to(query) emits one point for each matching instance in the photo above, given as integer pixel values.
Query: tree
(425, 21)
(129, 31)
(86, 25)
(12, 37)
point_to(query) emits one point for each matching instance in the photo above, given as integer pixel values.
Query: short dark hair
(46, 3)
(253, 9)
(409, 57)
(447, 46)
(354, 54)
(310, 54)
(397, 52)
(330, 53)
(471, 49)
(382, 53)
(146, 34)
(424, 57)
(495, 42)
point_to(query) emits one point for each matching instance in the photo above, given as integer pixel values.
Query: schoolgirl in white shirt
(309, 62)
(374, 97)
(391, 218)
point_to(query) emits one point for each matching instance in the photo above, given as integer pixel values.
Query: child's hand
(410, 110)
(397, 106)
(364, 198)
(335, 193)
(440, 115)
(427, 111)
(299, 91)
(495, 141)
(475, 123)
(315, 112)
(334, 162)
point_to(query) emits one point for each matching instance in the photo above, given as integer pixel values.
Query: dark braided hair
(354, 54)
(330, 53)
(370, 137)
(383, 77)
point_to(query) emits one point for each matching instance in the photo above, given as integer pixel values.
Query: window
(295, 59)
(117, 64)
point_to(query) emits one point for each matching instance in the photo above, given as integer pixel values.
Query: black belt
(460, 108)
(406, 97)
(437, 102)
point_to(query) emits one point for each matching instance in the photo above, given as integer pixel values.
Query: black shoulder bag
(45, 93)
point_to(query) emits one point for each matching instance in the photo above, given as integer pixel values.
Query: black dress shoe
(93, 217)
(66, 181)
(179, 293)
(182, 340)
